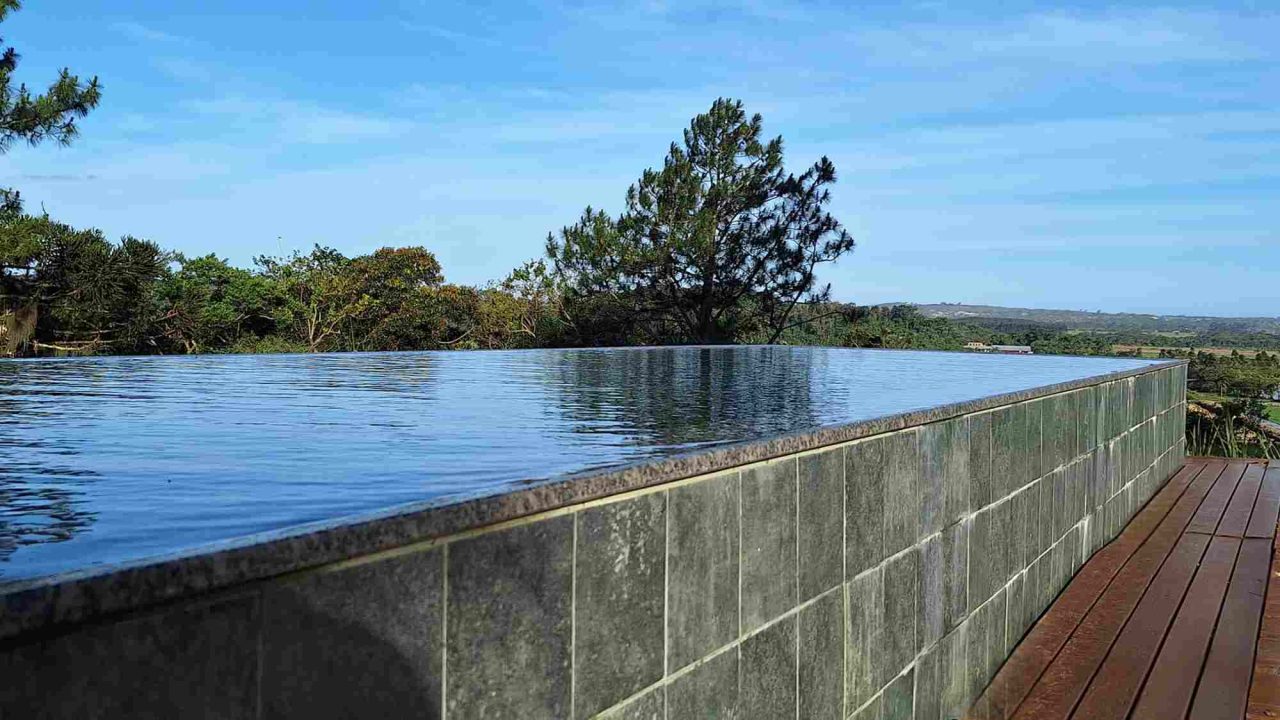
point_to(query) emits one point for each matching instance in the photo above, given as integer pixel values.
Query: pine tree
(719, 244)
(36, 118)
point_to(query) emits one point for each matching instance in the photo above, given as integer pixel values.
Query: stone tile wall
(884, 578)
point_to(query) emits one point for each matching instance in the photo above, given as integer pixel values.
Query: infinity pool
(105, 460)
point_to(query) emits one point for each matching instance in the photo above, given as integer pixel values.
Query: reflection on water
(109, 459)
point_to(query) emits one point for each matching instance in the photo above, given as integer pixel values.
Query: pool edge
(44, 603)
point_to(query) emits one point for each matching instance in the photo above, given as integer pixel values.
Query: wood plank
(1115, 686)
(1023, 668)
(1065, 680)
(1215, 504)
(1172, 682)
(1264, 692)
(1262, 524)
(1236, 518)
(1224, 685)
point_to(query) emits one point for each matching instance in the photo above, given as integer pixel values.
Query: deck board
(1114, 689)
(1264, 694)
(1067, 677)
(1172, 682)
(1215, 505)
(1041, 644)
(1164, 622)
(1236, 519)
(1224, 685)
(1263, 522)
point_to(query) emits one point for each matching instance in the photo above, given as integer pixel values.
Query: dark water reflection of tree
(40, 502)
(686, 396)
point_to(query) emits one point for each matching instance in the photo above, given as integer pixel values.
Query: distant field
(1153, 351)
(1273, 409)
(1171, 325)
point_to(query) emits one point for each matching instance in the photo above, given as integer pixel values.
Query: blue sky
(1098, 157)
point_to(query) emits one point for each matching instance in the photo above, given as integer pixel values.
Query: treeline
(1233, 375)
(67, 290)
(719, 245)
(75, 291)
(1092, 341)
(905, 326)
(1119, 323)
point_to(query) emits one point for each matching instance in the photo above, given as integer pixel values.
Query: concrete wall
(882, 578)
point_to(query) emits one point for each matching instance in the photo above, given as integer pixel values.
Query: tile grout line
(666, 585)
(844, 574)
(796, 596)
(262, 618)
(444, 635)
(668, 680)
(666, 601)
(573, 623)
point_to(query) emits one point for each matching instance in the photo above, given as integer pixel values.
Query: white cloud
(138, 31)
(1139, 37)
(291, 121)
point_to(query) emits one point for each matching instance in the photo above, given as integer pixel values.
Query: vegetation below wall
(1232, 402)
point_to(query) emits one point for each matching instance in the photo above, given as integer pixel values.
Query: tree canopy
(39, 117)
(719, 242)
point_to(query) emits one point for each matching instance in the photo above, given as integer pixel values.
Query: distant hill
(1099, 321)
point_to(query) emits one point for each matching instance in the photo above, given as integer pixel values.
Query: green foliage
(48, 116)
(211, 305)
(1233, 375)
(718, 243)
(1227, 429)
(86, 289)
(318, 295)
(891, 326)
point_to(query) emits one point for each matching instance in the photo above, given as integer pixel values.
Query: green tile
(901, 491)
(196, 658)
(981, 453)
(898, 700)
(321, 633)
(865, 517)
(619, 601)
(709, 690)
(703, 557)
(768, 542)
(1008, 450)
(955, 574)
(650, 706)
(509, 622)
(944, 474)
(900, 611)
(930, 596)
(953, 673)
(866, 667)
(768, 666)
(821, 661)
(976, 650)
(871, 711)
(928, 690)
(821, 522)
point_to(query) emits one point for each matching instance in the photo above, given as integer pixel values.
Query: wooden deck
(1178, 617)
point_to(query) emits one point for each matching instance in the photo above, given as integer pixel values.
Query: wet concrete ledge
(44, 604)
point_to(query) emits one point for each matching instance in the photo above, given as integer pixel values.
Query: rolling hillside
(1107, 322)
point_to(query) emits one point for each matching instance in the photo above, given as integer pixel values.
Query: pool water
(105, 460)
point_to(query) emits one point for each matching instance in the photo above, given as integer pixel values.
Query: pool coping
(42, 603)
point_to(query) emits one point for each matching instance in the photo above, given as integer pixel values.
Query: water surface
(111, 459)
